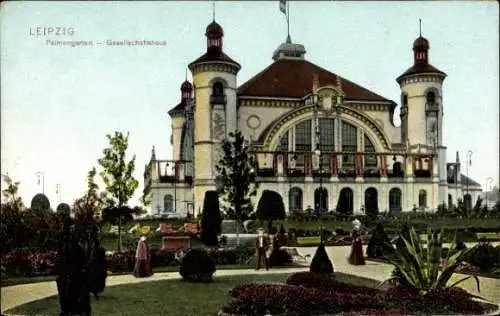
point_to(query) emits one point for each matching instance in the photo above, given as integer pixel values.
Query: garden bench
(296, 256)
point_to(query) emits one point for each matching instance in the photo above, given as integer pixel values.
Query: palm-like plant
(419, 267)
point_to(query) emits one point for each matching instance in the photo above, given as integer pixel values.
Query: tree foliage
(211, 219)
(237, 172)
(10, 193)
(118, 179)
(93, 202)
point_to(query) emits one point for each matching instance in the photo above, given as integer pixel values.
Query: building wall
(249, 115)
(384, 120)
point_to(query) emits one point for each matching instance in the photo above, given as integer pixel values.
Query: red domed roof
(186, 86)
(421, 43)
(214, 30)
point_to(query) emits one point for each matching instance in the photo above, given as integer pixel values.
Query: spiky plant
(419, 267)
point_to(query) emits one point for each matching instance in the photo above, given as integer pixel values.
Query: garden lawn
(172, 297)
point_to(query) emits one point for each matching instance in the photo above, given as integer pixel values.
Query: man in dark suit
(262, 245)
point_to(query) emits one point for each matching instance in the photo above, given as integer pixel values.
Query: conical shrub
(379, 245)
(320, 263)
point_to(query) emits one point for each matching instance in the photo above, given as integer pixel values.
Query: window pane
(303, 139)
(370, 161)
(349, 143)
(326, 141)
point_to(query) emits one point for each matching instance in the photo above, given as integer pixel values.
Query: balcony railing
(218, 99)
(344, 165)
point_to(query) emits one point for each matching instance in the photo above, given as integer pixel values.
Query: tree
(211, 219)
(270, 207)
(379, 245)
(117, 177)
(237, 173)
(93, 202)
(10, 195)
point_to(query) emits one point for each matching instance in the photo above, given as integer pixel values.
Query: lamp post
(42, 175)
(489, 180)
(468, 162)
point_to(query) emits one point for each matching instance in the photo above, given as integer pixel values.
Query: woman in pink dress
(142, 268)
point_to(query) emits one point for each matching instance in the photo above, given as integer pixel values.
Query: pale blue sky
(58, 103)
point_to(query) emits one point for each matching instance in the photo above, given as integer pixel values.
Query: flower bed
(26, 264)
(308, 294)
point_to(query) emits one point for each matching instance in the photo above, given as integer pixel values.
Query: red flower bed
(312, 280)
(28, 264)
(308, 294)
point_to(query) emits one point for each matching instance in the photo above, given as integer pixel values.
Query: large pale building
(321, 141)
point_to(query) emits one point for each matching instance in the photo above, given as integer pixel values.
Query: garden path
(16, 295)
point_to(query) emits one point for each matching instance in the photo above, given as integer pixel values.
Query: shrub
(279, 258)
(320, 263)
(197, 266)
(379, 245)
(485, 256)
(211, 219)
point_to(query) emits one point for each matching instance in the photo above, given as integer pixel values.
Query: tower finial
(213, 10)
(420, 26)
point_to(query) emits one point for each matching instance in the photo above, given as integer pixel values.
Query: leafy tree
(270, 207)
(118, 179)
(211, 219)
(10, 193)
(236, 171)
(93, 202)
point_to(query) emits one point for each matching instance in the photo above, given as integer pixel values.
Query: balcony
(218, 99)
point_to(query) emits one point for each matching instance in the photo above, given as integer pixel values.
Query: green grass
(50, 278)
(308, 241)
(172, 297)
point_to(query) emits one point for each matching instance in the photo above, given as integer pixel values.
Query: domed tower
(215, 83)
(178, 117)
(422, 113)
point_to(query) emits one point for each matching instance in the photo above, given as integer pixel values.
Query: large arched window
(168, 203)
(370, 161)
(326, 141)
(295, 200)
(218, 96)
(349, 143)
(395, 200)
(345, 202)
(422, 199)
(371, 201)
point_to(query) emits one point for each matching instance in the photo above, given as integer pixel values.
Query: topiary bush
(270, 207)
(279, 258)
(211, 219)
(379, 245)
(320, 263)
(197, 266)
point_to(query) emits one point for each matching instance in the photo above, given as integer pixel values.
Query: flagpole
(288, 19)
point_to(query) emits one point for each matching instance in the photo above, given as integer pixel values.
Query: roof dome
(214, 30)
(186, 86)
(421, 43)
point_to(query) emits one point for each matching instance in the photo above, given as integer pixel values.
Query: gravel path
(16, 295)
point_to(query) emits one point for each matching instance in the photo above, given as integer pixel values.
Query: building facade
(321, 141)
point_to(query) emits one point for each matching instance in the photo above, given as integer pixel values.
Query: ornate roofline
(421, 77)
(278, 124)
(295, 103)
(215, 66)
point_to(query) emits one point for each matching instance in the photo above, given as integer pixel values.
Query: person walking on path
(356, 257)
(142, 268)
(262, 245)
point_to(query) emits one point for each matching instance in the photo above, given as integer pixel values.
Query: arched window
(370, 161)
(468, 201)
(346, 201)
(395, 200)
(431, 98)
(422, 199)
(450, 201)
(371, 201)
(168, 203)
(349, 143)
(218, 96)
(295, 200)
(321, 200)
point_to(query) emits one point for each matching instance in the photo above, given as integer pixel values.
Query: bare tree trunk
(120, 233)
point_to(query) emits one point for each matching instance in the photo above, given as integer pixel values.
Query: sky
(59, 102)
